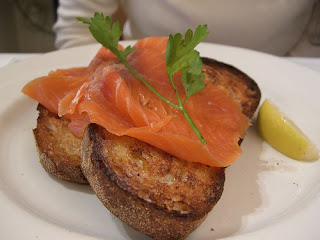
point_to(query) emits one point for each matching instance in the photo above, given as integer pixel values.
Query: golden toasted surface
(58, 149)
(172, 184)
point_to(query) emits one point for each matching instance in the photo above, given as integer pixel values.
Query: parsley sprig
(180, 55)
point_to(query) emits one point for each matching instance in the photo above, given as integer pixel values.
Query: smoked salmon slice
(108, 94)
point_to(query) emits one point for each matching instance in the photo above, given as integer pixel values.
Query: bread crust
(57, 148)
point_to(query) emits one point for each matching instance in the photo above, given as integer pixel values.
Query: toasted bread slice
(148, 189)
(58, 149)
(152, 191)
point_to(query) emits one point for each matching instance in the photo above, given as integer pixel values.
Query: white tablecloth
(8, 58)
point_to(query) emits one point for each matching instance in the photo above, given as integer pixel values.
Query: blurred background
(26, 25)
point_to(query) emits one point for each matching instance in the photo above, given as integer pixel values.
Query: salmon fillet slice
(108, 94)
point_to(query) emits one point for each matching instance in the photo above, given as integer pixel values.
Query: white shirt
(272, 26)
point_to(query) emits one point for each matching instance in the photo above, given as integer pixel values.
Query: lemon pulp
(283, 135)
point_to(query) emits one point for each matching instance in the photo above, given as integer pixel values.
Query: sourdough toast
(58, 149)
(152, 191)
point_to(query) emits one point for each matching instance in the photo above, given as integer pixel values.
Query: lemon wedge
(283, 135)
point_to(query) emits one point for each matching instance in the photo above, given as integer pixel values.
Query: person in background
(277, 27)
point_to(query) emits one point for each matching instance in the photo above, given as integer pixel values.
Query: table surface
(9, 58)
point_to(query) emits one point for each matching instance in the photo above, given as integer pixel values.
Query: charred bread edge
(250, 83)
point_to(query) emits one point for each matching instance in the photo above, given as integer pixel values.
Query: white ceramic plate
(267, 195)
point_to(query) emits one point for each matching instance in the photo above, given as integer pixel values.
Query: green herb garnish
(180, 55)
